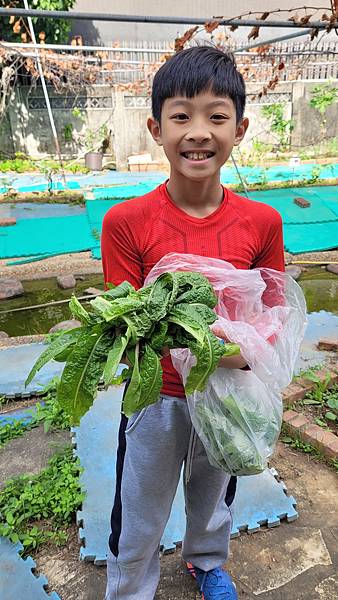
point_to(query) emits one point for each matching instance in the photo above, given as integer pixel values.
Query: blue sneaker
(215, 584)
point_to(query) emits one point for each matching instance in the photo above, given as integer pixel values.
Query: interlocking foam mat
(17, 582)
(260, 499)
(54, 235)
(305, 229)
(15, 364)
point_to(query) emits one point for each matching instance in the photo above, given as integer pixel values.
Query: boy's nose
(198, 133)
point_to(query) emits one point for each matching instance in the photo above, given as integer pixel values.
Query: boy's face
(198, 134)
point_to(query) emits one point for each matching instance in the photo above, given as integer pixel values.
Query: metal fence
(132, 62)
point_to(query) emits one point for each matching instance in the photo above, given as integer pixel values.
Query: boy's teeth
(197, 155)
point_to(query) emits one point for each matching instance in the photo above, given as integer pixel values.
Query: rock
(332, 269)
(328, 344)
(7, 222)
(294, 271)
(71, 324)
(3, 335)
(65, 282)
(10, 287)
(93, 291)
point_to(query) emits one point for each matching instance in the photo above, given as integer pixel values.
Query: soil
(270, 564)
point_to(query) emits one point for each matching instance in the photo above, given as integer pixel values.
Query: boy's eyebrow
(210, 104)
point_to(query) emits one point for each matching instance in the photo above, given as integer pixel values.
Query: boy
(198, 100)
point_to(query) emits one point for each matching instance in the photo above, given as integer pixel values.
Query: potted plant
(95, 142)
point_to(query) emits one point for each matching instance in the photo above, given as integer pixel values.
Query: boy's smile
(198, 134)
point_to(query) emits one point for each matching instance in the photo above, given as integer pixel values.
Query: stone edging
(300, 426)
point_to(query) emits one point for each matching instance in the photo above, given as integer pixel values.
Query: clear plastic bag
(238, 416)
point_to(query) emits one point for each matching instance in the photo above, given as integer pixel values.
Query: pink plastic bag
(238, 416)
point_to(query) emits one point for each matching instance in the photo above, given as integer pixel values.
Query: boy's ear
(155, 130)
(240, 130)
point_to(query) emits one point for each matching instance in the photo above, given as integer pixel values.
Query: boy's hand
(228, 362)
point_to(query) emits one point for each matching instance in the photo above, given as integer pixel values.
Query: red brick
(289, 415)
(327, 344)
(331, 446)
(299, 422)
(306, 384)
(314, 435)
(6, 222)
(293, 393)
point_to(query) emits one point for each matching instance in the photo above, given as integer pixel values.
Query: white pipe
(44, 88)
(87, 48)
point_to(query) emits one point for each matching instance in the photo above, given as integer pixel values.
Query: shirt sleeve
(121, 258)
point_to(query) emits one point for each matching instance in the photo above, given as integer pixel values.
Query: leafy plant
(15, 29)
(323, 96)
(316, 396)
(232, 435)
(49, 413)
(50, 497)
(280, 126)
(68, 132)
(175, 311)
(93, 139)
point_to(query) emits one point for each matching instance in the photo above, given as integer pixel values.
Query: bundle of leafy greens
(237, 439)
(175, 311)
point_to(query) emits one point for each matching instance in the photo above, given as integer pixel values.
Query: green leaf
(333, 403)
(320, 422)
(287, 440)
(111, 311)
(311, 401)
(208, 355)
(133, 393)
(59, 345)
(79, 312)
(82, 372)
(118, 291)
(114, 358)
(151, 377)
(330, 416)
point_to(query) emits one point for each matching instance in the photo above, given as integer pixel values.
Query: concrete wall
(125, 115)
(106, 32)
(6, 141)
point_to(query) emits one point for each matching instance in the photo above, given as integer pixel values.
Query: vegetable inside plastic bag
(238, 416)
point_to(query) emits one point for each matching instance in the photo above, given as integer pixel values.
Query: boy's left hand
(228, 362)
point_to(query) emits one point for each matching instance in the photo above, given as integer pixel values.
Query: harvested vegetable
(236, 436)
(176, 311)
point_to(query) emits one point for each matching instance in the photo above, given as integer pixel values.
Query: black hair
(195, 70)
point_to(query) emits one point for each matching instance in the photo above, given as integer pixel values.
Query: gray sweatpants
(153, 445)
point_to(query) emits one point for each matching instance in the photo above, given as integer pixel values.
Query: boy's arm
(121, 260)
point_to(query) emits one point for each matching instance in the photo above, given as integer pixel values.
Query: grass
(50, 414)
(35, 509)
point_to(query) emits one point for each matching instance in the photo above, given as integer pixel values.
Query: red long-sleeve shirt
(137, 233)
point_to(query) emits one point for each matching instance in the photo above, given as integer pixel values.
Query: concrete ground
(295, 561)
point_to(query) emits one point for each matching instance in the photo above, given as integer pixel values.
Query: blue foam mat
(15, 364)
(260, 499)
(17, 581)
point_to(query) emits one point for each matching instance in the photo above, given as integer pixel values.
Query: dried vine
(69, 73)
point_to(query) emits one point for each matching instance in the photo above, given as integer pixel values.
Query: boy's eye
(219, 117)
(180, 117)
